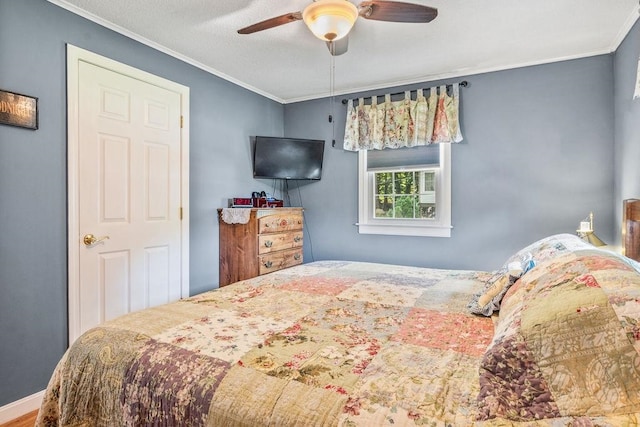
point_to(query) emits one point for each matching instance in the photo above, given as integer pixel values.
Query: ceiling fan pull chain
(332, 84)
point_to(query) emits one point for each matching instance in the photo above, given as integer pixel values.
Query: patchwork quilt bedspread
(358, 344)
(325, 343)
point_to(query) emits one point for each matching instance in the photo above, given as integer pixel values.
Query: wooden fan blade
(395, 11)
(338, 47)
(271, 22)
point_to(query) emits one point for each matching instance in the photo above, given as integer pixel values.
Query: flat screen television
(287, 158)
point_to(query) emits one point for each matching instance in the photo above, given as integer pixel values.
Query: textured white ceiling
(289, 64)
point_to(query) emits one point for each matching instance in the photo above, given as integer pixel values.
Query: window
(405, 194)
(405, 191)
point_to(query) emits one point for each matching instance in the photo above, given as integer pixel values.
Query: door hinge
(181, 122)
(180, 213)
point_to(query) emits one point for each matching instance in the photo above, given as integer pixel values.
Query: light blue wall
(627, 124)
(537, 157)
(33, 198)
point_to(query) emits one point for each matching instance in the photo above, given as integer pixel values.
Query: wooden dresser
(270, 241)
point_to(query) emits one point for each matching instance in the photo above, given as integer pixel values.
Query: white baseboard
(20, 407)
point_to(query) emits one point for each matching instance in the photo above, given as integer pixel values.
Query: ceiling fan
(331, 20)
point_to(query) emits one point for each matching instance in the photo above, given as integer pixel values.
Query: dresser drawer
(278, 241)
(280, 222)
(279, 260)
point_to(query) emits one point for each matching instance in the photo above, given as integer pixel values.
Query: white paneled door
(128, 195)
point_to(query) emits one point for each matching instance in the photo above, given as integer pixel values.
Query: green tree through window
(405, 194)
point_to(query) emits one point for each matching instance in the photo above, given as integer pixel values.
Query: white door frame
(75, 55)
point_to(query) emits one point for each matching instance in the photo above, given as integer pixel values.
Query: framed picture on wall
(18, 110)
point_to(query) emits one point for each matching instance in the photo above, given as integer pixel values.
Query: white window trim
(440, 227)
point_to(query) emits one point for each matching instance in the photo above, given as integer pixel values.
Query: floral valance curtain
(404, 123)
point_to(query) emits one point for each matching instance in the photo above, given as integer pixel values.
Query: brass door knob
(90, 239)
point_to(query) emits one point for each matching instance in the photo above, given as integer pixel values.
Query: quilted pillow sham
(567, 343)
(488, 301)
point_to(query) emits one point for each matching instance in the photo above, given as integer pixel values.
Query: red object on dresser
(263, 202)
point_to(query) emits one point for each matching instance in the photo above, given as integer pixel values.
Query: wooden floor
(27, 420)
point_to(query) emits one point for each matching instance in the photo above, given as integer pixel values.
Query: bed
(552, 338)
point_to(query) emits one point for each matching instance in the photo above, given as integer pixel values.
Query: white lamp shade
(330, 19)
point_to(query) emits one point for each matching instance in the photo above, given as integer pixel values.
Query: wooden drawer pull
(268, 243)
(296, 257)
(297, 239)
(268, 264)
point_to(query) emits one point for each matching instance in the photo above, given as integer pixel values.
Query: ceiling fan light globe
(330, 20)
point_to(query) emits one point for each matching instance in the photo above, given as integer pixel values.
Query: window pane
(384, 207)
(404, 183)
(426, 211)
(405, 194)
(383, 183)
(405, 206)
(427, 180)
